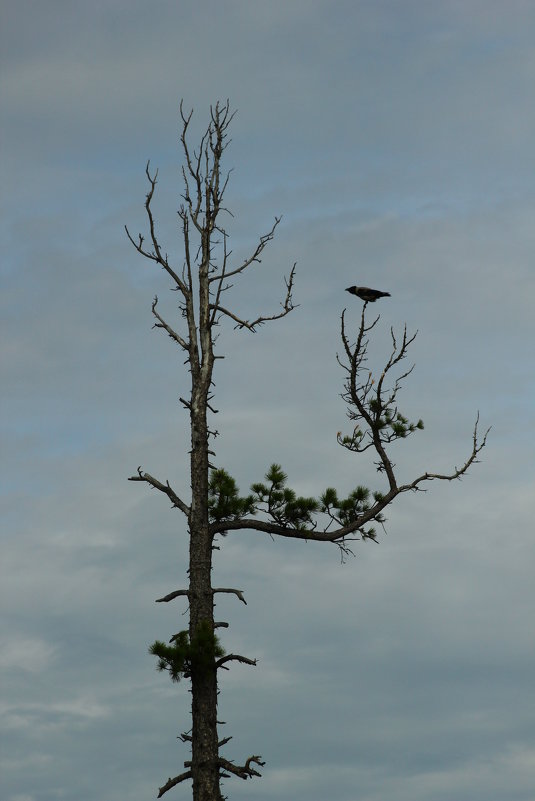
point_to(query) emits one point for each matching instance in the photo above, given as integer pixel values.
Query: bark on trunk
(205, 768)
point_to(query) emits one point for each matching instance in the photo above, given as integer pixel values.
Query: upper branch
(255, 257)
(371, 405)
(162, 324)
(203, 168)
(287, 306)
(156, 253)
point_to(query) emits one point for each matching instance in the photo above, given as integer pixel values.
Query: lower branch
(340, 535)
(170, 783)
(165, 488)
(172, 595)
(235, 658)
(243, 771)
(239, 593)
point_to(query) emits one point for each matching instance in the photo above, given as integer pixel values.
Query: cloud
(29, 655)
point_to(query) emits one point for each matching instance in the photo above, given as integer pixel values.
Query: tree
(216, 506)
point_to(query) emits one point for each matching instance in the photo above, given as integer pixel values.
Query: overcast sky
(397, 141)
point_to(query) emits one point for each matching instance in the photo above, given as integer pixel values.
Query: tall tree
(216, 506)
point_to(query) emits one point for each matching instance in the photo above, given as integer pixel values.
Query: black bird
(366, 294)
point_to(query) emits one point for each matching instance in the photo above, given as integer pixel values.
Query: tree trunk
(205, 768)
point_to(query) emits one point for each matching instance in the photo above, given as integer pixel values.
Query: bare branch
(172, 595)
(235, 658)
(203, 168)
(165, 488)
(243, 771)
(255, 257)
(477, 446)
(287, 307)
(170, 783)
(155, 254)
(239, 593)
(368, 401)
(162, 324)
(193, 169)
(221, 287)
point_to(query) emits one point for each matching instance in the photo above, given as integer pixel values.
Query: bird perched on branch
(366, 294)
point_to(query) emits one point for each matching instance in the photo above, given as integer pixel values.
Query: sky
(396, 141)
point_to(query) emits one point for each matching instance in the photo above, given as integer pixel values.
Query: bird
(366, 294)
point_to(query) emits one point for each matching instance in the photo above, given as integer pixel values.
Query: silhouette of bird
(366, 294)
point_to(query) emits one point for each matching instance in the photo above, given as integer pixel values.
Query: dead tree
(215, 506)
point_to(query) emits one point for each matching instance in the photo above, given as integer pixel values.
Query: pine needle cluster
(184, 656)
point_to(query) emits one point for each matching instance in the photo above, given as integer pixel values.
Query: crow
(366, 294)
